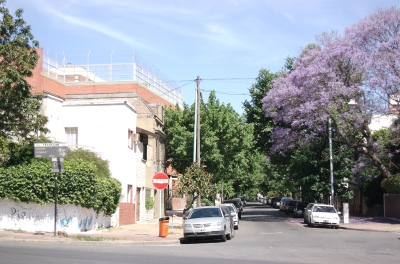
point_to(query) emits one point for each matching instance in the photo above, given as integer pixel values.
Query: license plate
(200, 230)
(326, 221)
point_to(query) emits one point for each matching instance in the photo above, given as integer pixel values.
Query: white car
(235, 217)
(323, 215)
(213, 222)
(307, 212)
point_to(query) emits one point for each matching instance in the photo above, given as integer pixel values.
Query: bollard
(345, 213)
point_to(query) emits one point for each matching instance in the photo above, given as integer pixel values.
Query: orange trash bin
(163, 224)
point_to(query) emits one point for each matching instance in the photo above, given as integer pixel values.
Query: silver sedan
(213, 222)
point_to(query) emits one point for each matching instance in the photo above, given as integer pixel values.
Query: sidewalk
(379, 224)
(140, 233)
(372, 224)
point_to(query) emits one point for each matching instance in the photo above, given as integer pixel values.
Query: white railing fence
(138, 70)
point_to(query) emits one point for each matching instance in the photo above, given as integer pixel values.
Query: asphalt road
(264, 236)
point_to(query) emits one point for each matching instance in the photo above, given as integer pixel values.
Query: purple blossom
(363, 64)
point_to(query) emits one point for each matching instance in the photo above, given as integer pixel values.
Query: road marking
(271, 233)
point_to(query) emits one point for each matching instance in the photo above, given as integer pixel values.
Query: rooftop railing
(153, 79)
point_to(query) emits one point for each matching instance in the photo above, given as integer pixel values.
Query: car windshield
(231, 209)
(205, 212)
(324, 209)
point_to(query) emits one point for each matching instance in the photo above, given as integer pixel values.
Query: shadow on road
(258, 212)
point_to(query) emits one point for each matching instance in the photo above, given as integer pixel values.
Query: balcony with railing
(138, 71)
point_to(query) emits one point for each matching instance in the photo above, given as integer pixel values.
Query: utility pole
(198, 122)
(197, 132)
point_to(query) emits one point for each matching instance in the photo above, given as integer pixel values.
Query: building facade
(119, 117)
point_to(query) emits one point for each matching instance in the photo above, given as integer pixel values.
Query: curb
(10, 236)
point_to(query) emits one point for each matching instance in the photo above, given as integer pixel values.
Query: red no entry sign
(160, 180)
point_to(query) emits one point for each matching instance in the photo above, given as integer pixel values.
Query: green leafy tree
(227, 145)
(254, 112)
(303, 171)
(196, 181)
(20, 117)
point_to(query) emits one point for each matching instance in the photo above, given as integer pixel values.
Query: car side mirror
(339, 213)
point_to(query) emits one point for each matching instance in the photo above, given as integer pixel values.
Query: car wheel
(230, 235)
(223, 238)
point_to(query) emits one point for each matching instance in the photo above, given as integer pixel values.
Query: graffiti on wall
(66, 221)
(19, 212)
(33, 217)
(85, 223)
(16, 213)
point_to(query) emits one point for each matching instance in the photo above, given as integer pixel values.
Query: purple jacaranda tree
(362, 65)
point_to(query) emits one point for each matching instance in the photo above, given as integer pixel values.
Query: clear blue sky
(225, 42)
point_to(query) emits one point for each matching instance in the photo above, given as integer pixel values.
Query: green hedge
(78, 184)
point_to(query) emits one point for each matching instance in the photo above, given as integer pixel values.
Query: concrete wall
(31, 217)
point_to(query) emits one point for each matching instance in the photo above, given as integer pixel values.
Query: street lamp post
(351, 103)
(331, 159)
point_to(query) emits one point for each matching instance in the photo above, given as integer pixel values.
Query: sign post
(57, 152)
(160, 182)
(51, 150)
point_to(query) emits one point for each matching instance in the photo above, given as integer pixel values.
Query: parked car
(264, 200)
(238, 204)
(243, 199)
(273, 200)
(277, 202)
(324, 215)
(283, 203)
(298, 210)
(234, 214)
(289, 206)
(307, 212)
(213, 222)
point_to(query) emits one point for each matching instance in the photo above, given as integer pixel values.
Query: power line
(227, 79)
(188, 82)
(213, 79)
(225, 93)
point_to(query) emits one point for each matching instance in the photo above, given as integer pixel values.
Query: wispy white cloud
(92, 25)
(221, 34)
(103, 29)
